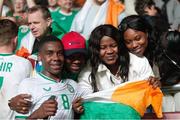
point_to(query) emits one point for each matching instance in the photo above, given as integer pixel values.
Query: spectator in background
(5, 7)
(62, 19)
(39, 20)
(20, 11)
(146, 7)
(12, 71)
(170, 10)
(97, 12)
(20, 8)
(52, 5)
(75, 54)
(152, 14)
(169, 67)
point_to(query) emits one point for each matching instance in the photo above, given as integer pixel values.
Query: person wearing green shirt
(39, 25)
(62, 18)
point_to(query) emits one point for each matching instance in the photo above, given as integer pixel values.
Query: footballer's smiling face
(52, 56)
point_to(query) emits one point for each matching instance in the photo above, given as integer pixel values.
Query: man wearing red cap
(75, 54)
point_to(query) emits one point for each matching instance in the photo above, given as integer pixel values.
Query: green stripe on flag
(99, 110)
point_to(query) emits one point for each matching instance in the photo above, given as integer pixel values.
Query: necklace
(117, 72)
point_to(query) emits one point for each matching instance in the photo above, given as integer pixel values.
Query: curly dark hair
(94, 50)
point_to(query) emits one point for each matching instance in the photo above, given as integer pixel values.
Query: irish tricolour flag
(126, 101)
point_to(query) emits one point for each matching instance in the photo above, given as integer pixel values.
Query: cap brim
(75, 51)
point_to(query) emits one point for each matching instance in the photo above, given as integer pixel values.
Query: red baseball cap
(73, 43)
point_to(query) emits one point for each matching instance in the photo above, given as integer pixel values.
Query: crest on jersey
(70, 88)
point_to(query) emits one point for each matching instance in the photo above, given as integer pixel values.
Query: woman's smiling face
(108, 50)
(136, 41)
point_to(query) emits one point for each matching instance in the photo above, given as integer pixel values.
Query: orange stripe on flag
(139, 95)
(23, 52)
